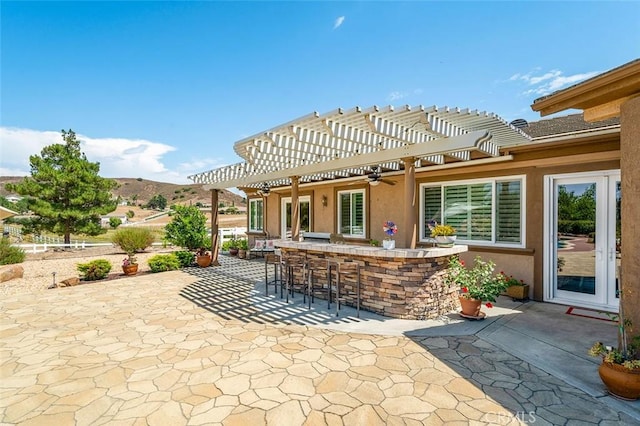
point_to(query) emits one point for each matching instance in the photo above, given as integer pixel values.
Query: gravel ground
(39, 267)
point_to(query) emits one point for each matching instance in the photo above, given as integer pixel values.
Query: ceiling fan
(374, 178)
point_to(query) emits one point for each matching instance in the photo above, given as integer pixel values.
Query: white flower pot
(388, 244)
(445, 241)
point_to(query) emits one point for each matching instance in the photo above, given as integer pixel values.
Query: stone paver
(190, 348)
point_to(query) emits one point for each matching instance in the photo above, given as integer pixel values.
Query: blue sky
(161, 90)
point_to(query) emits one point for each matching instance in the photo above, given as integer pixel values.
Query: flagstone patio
(205, 346)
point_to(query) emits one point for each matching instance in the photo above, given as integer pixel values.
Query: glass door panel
(576, 238)
(584, 244)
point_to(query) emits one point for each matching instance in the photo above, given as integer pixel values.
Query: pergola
(345, 143)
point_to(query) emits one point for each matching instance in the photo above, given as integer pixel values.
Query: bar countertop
(357, 250)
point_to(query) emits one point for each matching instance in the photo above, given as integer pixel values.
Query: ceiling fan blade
(387, 181)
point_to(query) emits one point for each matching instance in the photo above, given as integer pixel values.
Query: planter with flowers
(445, 235)
(620, 367)
(390, 229)
(477, 285)
(129, 265)
(516, 289)
(203, 259)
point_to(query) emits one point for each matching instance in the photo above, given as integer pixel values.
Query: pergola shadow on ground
(523, 376)
(236, 291)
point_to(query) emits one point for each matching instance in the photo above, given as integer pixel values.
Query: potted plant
(132, 240)
(243, 246)
(390, 229)
(516, 289)
(445, 235)
(203, 259)
(233, 246)
(477, 285)
(129, 265)
(620, 367)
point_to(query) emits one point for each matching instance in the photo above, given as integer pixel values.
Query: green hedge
(94, 270)
(9, 254)
(186, 258)
(576, 227)
(164, 262)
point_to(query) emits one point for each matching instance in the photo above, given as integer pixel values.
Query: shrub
(132, 240)
(10, 254)
(185, 258)
(94, 270)
(187, 228)
(164, 262)
(114, 222)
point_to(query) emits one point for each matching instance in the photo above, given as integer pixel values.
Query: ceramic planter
(470, 307)
(620, 381)
(388, 244)
(130, 269)
(445, 241)
(203, 261)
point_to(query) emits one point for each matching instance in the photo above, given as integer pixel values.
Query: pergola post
(295, 209)
(630, 233)
(410, 239)
(214, 228)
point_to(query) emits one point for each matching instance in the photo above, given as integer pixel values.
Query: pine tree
(65, 192)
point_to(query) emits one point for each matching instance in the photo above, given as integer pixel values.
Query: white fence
(45, 243)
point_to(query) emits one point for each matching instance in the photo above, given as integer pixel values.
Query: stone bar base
(406, 284)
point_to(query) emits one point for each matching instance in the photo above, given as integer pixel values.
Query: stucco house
(541, 199)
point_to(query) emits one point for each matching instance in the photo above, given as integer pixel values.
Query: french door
(286, 216)
(582, 239)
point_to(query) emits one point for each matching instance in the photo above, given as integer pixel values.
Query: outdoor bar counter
(398, 283)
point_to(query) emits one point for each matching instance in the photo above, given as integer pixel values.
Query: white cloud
(548, 82)
(396, 95)
(118, 157)
(338, 22)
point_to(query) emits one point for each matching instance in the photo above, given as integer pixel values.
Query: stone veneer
(400, 283)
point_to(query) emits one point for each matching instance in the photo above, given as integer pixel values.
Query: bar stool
(349, 270)
(318, 280)
(273, 259)
(290, 263)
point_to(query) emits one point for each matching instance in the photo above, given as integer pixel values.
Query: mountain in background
(139, 191)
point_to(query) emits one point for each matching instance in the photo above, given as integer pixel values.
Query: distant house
(13, 198)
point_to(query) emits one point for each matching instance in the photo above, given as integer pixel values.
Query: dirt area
(39, 267)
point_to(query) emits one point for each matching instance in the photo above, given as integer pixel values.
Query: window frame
(250, 224)
(339, 193)
(493, 181)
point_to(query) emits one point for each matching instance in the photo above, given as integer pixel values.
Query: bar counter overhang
(398, 283)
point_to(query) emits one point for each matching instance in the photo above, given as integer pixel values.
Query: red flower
(462, 262)
(502, 272)
(489, 305)
(465, 290)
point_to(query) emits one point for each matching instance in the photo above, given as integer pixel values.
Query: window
(256, 215)
(482, 211)
(351, 213)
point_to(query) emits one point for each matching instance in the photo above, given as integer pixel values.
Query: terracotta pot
(470, 307)
(620, 381)
(203, 261)
(233, 251)
(130, 269)
(242, 254)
